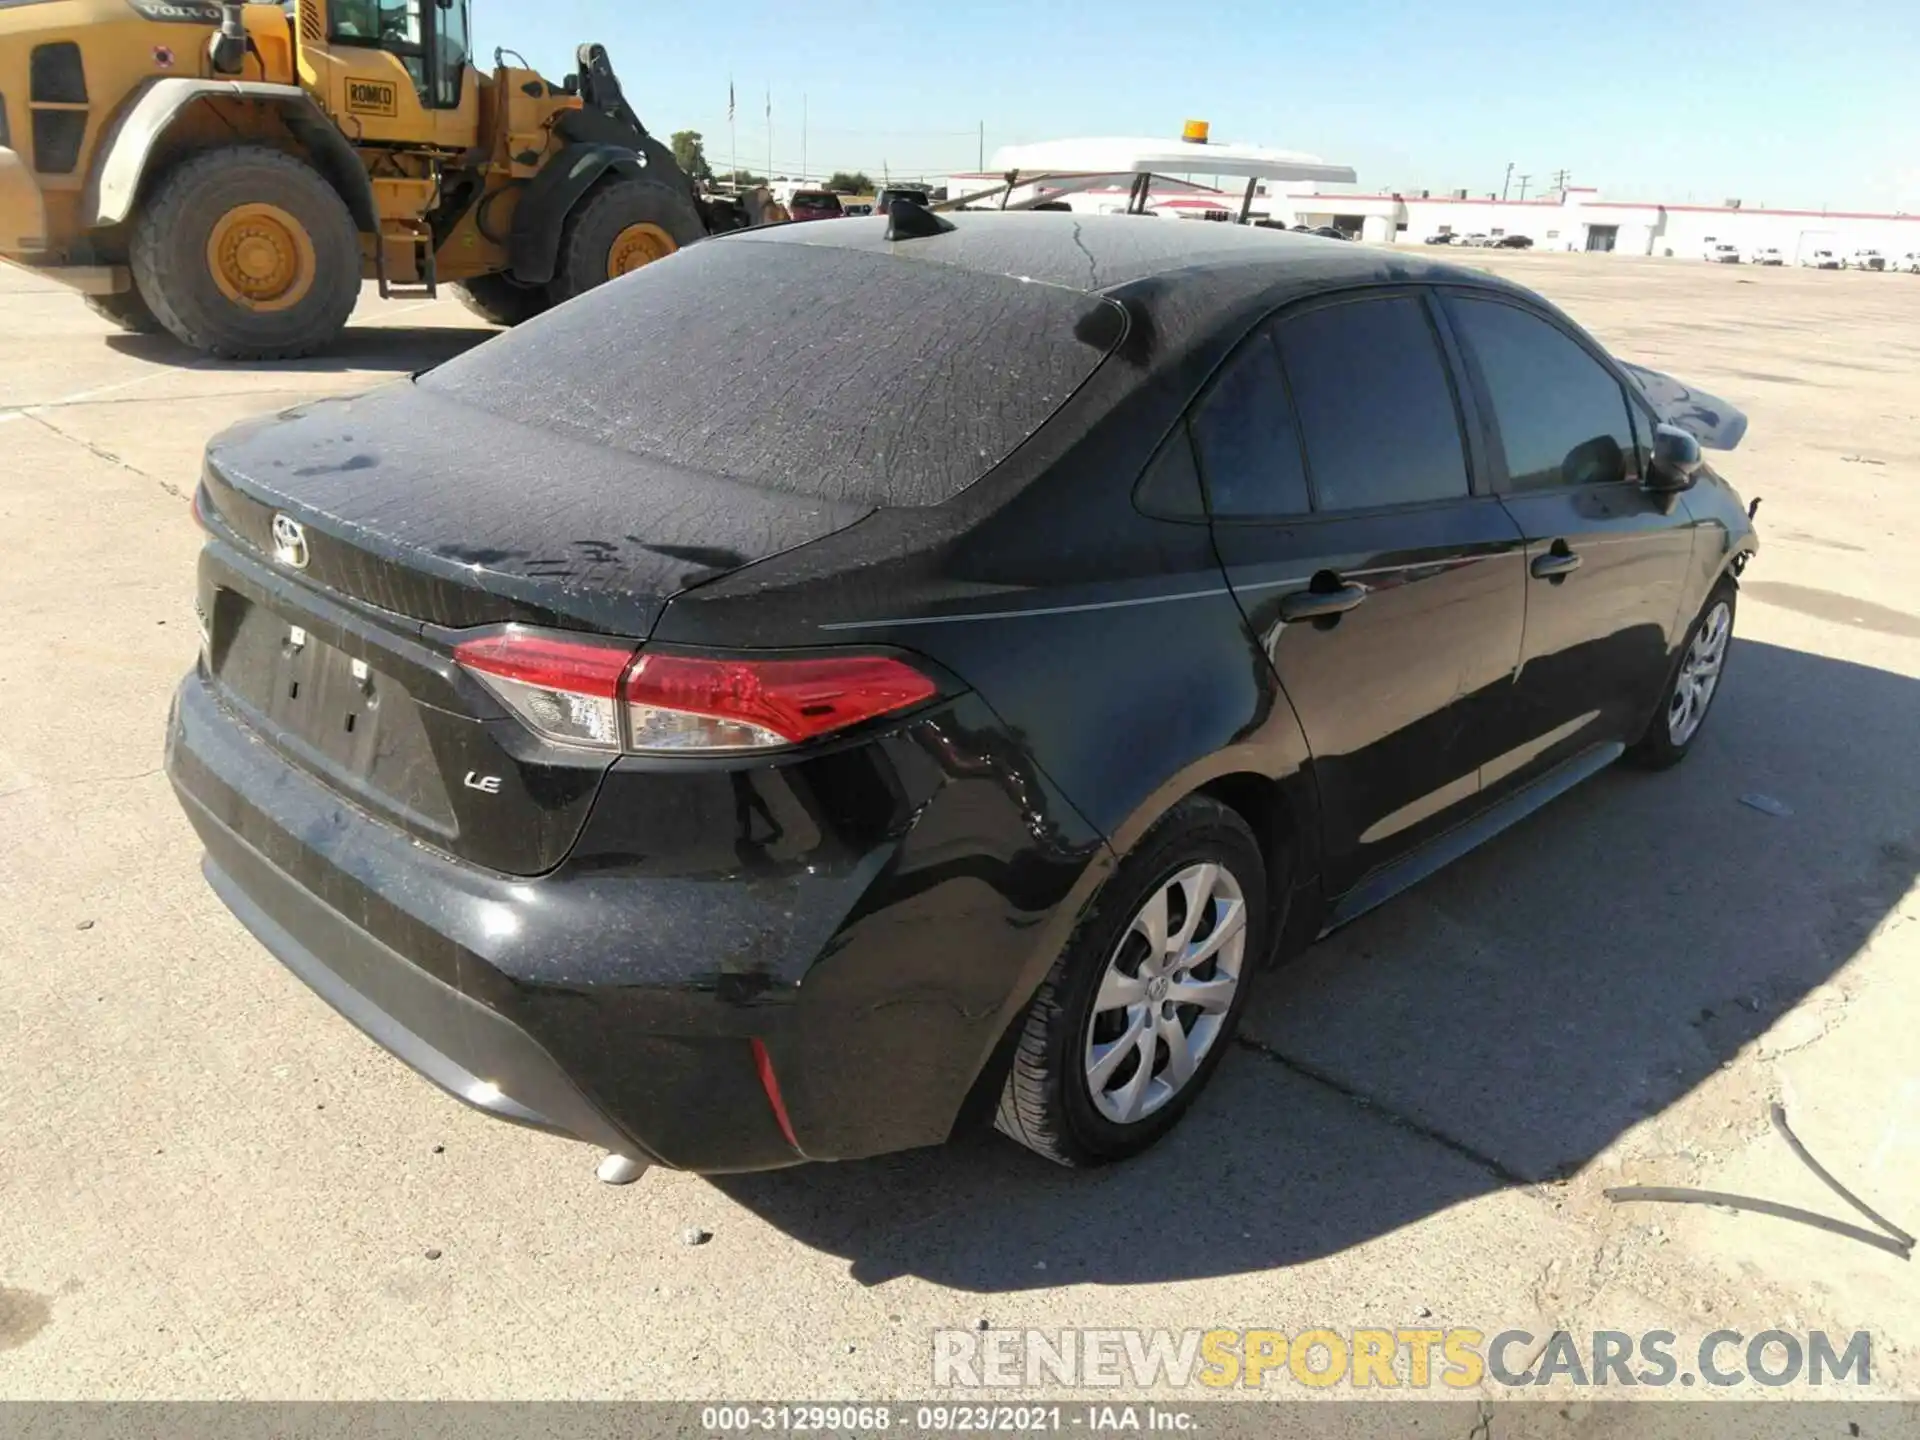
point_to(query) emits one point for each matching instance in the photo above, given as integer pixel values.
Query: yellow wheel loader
(231, 172)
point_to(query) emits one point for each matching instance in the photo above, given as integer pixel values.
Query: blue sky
(1778, 102)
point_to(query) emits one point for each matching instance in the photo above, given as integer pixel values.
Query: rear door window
(1243, 430)
(1563, 418)
(851, 375)
(1376, 408)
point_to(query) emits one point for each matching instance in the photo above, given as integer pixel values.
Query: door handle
(1556, 564)
(1320, 604)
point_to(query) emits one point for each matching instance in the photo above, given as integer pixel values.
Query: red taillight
(703, 702)
(769, 1082)
(592, 693)
(567, 690)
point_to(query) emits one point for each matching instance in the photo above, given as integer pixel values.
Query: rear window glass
(854, 376)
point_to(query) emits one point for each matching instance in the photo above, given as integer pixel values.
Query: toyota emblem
(289, 542)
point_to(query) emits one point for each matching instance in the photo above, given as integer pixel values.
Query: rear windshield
(850, 375)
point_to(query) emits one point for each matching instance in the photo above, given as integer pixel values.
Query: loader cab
(396, 70)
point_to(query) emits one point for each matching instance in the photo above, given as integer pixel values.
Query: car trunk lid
(433, 509)
(735, 400)
(356, 543)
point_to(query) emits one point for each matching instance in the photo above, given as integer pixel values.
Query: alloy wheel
(1699, 674)
(1166, 992)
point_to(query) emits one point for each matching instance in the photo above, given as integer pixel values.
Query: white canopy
(1123, 155)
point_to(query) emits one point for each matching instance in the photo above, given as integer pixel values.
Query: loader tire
(125, 310)
(497, 300)
(621, 225)
(247, 253)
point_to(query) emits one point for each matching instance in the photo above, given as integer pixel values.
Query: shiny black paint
(879, 910)
(808, 913)
(1598, 639)
(1399, 697)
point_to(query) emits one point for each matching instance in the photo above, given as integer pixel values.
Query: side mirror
(1676, 460)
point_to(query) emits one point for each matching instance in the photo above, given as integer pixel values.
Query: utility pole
(982, 162)
(803, 137)
(1560, 179)
(1506, 182)
(1523, 179)
(769, 132)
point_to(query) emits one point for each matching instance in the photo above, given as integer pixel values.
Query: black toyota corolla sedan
(1153, 598)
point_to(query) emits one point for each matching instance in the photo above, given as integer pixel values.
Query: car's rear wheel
(1138, 1010)
(1692, 686)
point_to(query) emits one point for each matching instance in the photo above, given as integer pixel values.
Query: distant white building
(1579, 219)
(1576, 219)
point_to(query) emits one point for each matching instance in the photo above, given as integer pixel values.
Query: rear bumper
(448, 1037)
(619, 1005)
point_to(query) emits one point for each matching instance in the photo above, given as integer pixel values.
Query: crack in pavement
(73, 784)
(1484, 1161)
(104, 454)
(34, 410)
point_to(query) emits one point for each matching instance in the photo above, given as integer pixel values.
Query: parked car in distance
(1722, 252)
(856, 208)
(1867, 258)
(1330, 232)
(1822, 260)
(1445, 237)
(886, 197)
(1514, 242)
(1478, 239)
(726, 813)
(815, 205)
(1909, 262)
(1768, 255)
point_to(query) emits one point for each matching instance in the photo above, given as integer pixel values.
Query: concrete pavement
(210, 1186)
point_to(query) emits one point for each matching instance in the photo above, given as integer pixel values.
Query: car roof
(1104, 253)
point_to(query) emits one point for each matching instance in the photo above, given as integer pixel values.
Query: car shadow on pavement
(1502, 1023)
(402, 349)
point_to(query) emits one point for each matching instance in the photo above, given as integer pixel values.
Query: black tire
(170, 263)
(498, 301)
(127, 311)
(1048, 1103)
(1657, 749)
(599, 219)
